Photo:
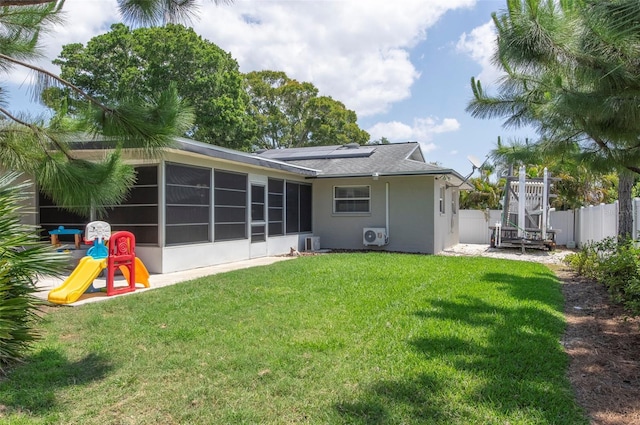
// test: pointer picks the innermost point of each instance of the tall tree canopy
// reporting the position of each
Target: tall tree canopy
(291, 114)
(45, 152)
(572, 73)
(124, 63)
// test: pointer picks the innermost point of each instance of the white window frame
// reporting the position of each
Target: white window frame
(367, 198)
(443, 197)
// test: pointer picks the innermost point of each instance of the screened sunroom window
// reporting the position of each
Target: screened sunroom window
(258, 223)
(188, 200)
(276, 207)
(137, 213)
(352, 199)
(298, 218)
(230, 214)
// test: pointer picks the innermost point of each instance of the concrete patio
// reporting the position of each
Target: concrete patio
(155, 280)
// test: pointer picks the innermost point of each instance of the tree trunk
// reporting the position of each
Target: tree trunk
(625, 205)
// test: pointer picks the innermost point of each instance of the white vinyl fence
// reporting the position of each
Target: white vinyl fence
(573, 227)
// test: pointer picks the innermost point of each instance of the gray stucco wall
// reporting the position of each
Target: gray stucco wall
(446, 226)
(411, 214)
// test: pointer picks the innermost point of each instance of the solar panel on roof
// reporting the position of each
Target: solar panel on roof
(320, 152)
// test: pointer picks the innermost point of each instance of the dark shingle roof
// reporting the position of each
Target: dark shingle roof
(219, 152)
(343, 161)
(212, 151)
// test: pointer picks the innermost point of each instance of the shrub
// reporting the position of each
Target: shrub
(616, 264)
(584, 262)
(23, 257)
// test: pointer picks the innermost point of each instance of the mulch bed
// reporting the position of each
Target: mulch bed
(603, 344)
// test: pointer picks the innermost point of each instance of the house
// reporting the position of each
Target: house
(389, 190)
(201, 205)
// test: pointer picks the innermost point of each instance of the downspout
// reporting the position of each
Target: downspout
(387, 211)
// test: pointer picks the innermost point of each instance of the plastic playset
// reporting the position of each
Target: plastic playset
(109, 251)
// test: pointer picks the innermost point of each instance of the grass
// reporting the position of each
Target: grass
(336, 339)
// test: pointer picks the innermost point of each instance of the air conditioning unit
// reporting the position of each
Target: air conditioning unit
(312, 243)
(374, 236)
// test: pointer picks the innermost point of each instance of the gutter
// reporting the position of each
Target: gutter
(440, 172)
(443, 171)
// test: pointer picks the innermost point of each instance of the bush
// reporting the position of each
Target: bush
(23, 257)
(616, 264)
(584, 262)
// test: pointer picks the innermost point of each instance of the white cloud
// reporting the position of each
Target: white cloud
(422, 130)
(428, 147)
(356, 52)
(479, 44)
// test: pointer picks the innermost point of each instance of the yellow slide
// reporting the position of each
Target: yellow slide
(142, 274)
(77, 283)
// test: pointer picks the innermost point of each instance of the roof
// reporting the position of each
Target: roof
(218, 152)
(351, 160)
(356, 161)
(212, 151)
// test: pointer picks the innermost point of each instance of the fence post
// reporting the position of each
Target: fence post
(617, 215)
(601, 219)
(636, 222)
(572, 236)
(584, 224)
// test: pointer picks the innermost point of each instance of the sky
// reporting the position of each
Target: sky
(403, 66)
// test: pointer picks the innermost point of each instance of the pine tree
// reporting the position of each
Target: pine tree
(44, 150)
(572, 73)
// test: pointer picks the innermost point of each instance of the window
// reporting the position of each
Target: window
(351, 199)
(188, 200)
(276, 207)
(305, 208)
(52, 217)
(443, 191)
(230, 210)
(138, 213)
(293, 200)
(258, 226)
(298, 207)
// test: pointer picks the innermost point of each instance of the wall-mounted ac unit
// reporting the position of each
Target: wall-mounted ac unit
(312, 243)
(374, 236)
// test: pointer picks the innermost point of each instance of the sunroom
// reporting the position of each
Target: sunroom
(202, 205)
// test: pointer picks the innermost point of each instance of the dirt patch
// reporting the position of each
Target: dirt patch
(603, 345)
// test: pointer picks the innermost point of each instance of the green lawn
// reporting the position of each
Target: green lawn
(341, 338)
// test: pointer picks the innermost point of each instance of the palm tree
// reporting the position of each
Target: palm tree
(160, 12)
(572, 73)
(22, 259)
